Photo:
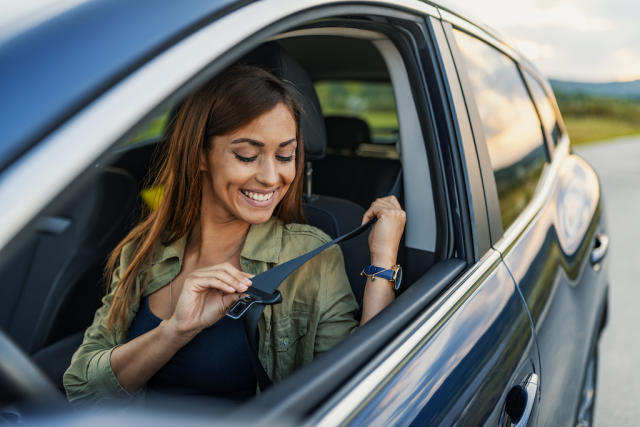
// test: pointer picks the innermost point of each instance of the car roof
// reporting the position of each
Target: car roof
(55, 63)
(52, 67)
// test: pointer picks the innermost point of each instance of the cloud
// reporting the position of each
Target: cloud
(626, 62)
(589, 40)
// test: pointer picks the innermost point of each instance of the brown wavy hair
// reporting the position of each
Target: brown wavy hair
(230, 100)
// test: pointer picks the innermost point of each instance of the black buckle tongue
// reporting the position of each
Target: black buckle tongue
(253, 296)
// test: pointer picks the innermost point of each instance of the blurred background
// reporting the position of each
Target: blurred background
(590, 50)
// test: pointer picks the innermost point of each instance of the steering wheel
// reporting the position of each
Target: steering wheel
(21, 381)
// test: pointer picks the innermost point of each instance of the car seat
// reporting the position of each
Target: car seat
(58, 272)
(368, 177)
(335, 216)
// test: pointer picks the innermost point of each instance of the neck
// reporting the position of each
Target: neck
(213, 242)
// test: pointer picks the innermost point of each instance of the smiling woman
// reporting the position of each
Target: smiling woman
(231, 208)
(251, 168)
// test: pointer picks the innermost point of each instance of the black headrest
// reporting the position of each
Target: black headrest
(273, 58)
(346, 133)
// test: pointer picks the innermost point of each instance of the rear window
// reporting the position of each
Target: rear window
(545, 108)
(372, 102)
(510, 123)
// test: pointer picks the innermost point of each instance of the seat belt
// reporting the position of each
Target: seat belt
(264, 290)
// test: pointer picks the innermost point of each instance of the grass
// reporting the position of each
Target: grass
(590, 129)
(592, 119)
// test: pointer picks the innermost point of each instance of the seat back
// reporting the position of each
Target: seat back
(368, 177)
(60, 278)
(332, 215)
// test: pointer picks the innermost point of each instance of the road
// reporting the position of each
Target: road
(618, 392)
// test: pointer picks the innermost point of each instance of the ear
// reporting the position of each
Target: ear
(202, 164)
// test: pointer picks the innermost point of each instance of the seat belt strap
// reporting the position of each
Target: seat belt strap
(263, 291)
(264, 286)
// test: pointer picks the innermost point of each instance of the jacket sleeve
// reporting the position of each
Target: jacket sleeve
(338, 306)
(89, 379)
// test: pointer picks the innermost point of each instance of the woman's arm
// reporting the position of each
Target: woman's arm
(105, 367)
(135, 362)
(384, 240)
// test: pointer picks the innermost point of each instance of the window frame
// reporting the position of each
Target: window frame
(494, 214)
(129, 121)
(502, 239)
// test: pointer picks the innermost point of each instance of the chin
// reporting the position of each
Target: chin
(255, 216)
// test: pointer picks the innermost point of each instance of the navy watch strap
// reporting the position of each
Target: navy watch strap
(391, 274)
(384, 273)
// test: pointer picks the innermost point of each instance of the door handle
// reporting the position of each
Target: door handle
(600, 249)
(520, 401)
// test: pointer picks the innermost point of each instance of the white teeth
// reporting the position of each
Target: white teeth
(261, 197)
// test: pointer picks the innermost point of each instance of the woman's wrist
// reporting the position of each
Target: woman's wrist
(174, 335)
(385, 261)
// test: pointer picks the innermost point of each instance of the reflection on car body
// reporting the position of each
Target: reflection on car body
(504, 253)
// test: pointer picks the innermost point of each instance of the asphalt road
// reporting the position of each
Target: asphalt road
(618, 391)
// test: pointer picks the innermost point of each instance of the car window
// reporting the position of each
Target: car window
(151, 130)
(545, 108)
(372, 102)
(510, 123)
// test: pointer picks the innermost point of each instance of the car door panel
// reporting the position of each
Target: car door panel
(550, 261)
(461, 361)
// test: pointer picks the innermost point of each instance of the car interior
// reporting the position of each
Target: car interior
(57, 276)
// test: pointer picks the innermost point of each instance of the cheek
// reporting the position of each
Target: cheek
(289, 174)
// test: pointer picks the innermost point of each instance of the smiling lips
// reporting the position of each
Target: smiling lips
(258, 199)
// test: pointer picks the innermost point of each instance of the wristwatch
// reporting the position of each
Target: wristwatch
(392, 274)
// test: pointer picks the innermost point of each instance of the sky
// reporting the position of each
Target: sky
(583, 40)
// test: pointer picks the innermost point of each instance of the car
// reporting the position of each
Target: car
(505, 282)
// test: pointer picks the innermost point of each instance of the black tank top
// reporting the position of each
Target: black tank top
(217, 362)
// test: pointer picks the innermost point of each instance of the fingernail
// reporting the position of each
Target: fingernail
(247, 281)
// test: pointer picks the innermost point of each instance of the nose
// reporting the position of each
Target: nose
(268, 173)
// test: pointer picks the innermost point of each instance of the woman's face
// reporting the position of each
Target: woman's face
(248, 171)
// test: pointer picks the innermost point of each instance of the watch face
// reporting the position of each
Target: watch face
(398, 281)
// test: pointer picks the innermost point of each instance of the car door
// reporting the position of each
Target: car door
(467, 342)
(459, 360)
(553, 241)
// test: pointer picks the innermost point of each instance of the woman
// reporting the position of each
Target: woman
(231, 208)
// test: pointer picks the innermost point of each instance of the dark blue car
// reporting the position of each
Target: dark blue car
(505, 282)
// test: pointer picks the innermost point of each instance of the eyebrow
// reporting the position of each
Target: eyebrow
(260, 144)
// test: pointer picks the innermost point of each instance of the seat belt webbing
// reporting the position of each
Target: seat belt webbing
(268, 282)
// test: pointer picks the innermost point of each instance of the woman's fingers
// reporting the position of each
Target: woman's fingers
(228, 300)
(382, 206)
(227, 274)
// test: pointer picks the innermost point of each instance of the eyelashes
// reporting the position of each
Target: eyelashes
(245, 159)
(283, 159)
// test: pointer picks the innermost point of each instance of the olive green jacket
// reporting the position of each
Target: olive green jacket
(318, 308)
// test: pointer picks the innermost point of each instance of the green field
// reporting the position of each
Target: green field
(589, 129)
(588, 118)
(591, 119)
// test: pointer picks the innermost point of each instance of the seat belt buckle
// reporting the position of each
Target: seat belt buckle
(253, 296)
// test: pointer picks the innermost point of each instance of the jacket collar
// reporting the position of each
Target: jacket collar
(263, 243)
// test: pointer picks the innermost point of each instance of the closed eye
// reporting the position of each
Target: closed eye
(245, 159)
(285, 158)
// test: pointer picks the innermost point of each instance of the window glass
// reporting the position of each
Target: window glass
(152, 130)
(545, 107)
(372, 102)
(510, 123)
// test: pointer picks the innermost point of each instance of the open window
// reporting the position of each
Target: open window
(380, 134)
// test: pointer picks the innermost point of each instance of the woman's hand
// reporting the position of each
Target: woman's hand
(384, 238)
(206, 296)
